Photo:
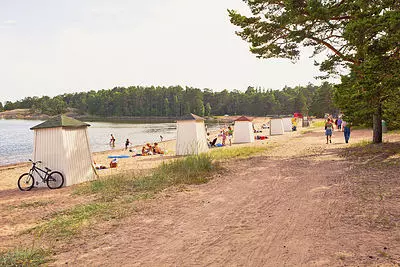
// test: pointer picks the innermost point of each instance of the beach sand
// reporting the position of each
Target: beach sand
(9, 174)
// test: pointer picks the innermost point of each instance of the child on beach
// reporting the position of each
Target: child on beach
(223, 133)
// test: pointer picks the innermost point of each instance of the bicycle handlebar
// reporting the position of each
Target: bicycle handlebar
(35, 162)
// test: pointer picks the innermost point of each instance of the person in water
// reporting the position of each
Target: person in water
(112, 140)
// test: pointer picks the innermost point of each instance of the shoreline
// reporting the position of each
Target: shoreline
(118, 150)
(10, 173)
(110, 150)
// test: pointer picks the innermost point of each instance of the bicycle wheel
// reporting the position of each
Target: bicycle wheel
(26, 182)
(55, 180)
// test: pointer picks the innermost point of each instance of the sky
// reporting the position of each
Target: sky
(50, 47)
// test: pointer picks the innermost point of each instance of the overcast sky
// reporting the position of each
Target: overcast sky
(49, 47)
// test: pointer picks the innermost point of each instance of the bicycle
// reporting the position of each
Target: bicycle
(53, 179)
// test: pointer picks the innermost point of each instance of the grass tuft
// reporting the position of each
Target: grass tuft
(189, 170)
(237, 152)
(317, 124)
(394, 132)
(24, 257)
(108, 188)
(33, 204)
(70, 222)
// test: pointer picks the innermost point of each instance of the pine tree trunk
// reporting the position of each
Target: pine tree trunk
(377, 125)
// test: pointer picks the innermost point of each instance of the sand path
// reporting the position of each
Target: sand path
(281, 209)
(285, 208)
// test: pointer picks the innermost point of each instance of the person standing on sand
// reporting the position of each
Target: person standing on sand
(112, 141)
(346, 131)
(339, 124)
(127, 143)
(223, 137)
(328, 130)
(230, 134)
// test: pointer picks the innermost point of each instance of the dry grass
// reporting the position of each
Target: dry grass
(24, 257)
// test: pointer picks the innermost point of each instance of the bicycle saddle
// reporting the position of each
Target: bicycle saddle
(47, 169)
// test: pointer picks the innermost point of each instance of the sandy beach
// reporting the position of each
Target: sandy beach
(9, 174)
(302, 202)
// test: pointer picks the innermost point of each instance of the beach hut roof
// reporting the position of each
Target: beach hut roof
(191, 117)
(243, 118)
(60, 121)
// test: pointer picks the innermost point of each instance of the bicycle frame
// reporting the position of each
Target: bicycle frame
(35, 169)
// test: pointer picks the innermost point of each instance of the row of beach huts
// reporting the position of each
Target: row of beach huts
(62, 143)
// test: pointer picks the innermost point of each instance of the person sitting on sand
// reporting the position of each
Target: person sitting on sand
(145, 151)
(99, 166)
(149, 149)
(211, 143)
(157, 149)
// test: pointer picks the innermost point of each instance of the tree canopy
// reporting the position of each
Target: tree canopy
(175, 101)
(358, 37)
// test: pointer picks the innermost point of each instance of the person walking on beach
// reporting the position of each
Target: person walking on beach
(230, 134)
(346, 131)
(339, 124)
(112, 141)
(328, 130)
(127, 143)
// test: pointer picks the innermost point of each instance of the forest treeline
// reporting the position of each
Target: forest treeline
(175, 101)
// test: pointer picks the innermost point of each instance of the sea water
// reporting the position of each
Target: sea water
(16, 138)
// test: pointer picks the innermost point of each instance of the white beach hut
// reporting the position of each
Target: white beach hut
(62, 144)
(287, 124)
(276, 126)
(244, 132)
(191, 135)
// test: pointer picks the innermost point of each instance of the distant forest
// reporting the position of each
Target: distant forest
(175, 101)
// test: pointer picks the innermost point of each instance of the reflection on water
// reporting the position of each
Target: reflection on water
(16, 140)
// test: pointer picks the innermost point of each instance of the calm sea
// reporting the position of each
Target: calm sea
(16, 140)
